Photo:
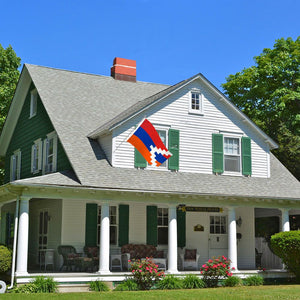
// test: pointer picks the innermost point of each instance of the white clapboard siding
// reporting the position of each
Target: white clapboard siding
(106, 145)
(195, 132)
(73, 224)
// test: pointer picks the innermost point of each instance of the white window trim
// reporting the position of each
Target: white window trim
(51, 135)
(37, 143)
(16, 153)
(166, 129)
(196, 111)
(162, 226)
(116, 225)
(239, 137)
(33, 103)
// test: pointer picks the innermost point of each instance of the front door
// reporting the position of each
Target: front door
(43, 233)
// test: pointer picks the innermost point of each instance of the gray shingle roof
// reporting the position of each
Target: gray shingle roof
(78, 101)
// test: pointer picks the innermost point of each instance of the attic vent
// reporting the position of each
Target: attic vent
(124, 69)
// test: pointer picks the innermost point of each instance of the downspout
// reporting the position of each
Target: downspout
(15, 241)
(15, 244)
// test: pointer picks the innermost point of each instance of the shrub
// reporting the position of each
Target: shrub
(254, 280)
(145, 273)
(45, 285)
(170, 282)
(127, 285)
(215, 269)
(233, 281)
(286, 245)
(99, 286)
(5, 259)
(29, 288)
(192, 282)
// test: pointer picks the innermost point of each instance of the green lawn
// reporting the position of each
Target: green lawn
(261, 292)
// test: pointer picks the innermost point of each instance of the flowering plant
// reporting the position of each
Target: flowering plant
(215, 269)
(145, 273)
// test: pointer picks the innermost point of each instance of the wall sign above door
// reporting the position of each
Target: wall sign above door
(200, 209)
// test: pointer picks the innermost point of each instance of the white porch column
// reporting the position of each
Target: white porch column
(104, 240)
(285, 221)
(22, 248)
(172, 241)
(232, 245)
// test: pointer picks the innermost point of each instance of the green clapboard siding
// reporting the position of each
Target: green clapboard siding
(123, 225)
(139, 160)
(246, 156)
(217, 153)
(152, 225)
(181, 228)
(173, 161)
(26, 132)
(91, 215)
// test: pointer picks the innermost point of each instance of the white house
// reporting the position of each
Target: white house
(73, 179)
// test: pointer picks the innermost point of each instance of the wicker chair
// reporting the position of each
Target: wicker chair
(69, 255)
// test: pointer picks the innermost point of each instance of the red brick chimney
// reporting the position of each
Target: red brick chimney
(124, 69)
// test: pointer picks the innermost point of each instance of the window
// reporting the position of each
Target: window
(163, 135)
(218, 224)
(33, 103)
(15, 165)
(36, 156)
(162, 226)
(196, 103)
(50, 153)
(232, 154)
(113, 234)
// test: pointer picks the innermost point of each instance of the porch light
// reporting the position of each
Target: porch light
(239, 221)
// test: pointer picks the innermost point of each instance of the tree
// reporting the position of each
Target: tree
(9, 74)
(269, 93)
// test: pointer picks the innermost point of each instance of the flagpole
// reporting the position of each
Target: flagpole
(130, 134)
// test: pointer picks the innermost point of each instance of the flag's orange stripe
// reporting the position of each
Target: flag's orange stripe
(139, 145)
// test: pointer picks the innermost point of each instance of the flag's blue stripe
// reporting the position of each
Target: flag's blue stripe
(160, 158)
(144, 137)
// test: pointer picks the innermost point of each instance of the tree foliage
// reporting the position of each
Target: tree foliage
(9, 74)
(269, 93)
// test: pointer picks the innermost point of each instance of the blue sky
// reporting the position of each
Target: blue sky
(170, 40)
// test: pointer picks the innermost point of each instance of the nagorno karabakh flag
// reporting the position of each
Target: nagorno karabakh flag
(147, 141)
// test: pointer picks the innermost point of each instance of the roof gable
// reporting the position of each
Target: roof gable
(140, 106)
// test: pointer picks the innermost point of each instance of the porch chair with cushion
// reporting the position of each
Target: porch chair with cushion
(69, 255)
(190, 259)
(93, 253)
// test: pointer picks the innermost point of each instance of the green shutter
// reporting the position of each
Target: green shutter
(152, 225)
(181, 237)
(217, 153)
(246, 156)
(173, 161)
(91, 224)
(123, 225)
(139, 160)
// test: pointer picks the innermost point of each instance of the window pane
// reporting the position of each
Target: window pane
(46, 222)
(232, 163)
(113, 235)
(41, 223)
(162, 233)
(231, 146)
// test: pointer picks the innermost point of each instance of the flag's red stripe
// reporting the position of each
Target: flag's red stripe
(139, 145)
(148, 127)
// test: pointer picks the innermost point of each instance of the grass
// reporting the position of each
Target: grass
(282, 292)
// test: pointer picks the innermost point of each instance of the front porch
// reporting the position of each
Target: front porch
(173, 223)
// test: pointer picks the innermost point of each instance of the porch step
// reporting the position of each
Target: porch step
(78, 288)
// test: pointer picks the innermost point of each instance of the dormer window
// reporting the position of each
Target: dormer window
(33, 103)
(196, 103)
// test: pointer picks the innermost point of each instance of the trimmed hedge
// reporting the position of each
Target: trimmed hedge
(286, 245)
